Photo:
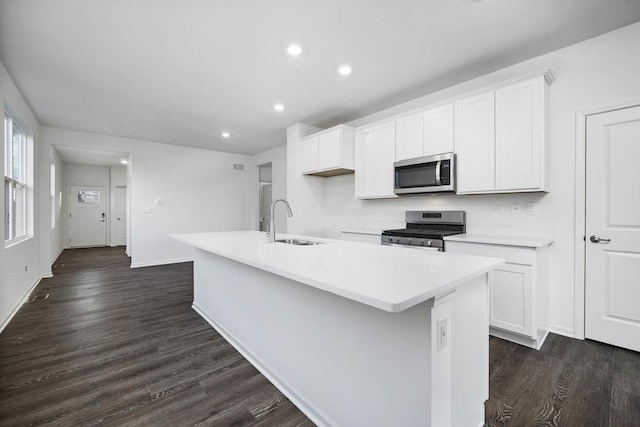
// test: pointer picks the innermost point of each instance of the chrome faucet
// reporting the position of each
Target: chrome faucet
(272, 224)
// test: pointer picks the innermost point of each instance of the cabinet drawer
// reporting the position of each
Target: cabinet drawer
(511, 254)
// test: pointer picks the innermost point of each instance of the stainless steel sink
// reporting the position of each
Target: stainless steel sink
(298, 242)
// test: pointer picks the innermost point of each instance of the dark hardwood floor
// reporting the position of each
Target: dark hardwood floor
(118, 346)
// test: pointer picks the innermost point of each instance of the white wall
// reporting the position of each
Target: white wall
(57, 232)
(306, 194)
(85, 175)
(15, 282)
(278, 159)
(200, 189)
(597, 72)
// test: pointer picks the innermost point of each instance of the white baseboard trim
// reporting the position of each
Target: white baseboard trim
(126, 251)
(562, 330)
(163, 262)
(313, 414)
(15, 310)
(57, 256)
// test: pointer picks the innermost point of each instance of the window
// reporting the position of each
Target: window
(15, 179)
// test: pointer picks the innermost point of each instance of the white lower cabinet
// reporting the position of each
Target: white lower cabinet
(518, 291)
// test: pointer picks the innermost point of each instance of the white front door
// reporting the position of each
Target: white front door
(612, 312)
(121, 215)
(87, 216)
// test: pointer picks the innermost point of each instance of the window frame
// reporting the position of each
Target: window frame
(16, 188)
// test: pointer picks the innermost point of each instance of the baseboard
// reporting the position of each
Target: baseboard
(164, 262)
(126, 251)
(561, 330)
(313, 414)
(17, 307)
(55, 258)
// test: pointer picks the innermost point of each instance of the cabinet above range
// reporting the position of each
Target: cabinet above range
(328, 152)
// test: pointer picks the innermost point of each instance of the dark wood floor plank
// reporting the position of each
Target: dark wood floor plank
(119, 346)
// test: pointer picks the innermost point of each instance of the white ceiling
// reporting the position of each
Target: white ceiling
(182, 72)
(84, 156)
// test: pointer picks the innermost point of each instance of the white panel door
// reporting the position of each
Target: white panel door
(309, 154)
(438, 130)
(612, 311)
(364, 163)
(475, 139)
(87, 223)
(385, 147)
(329, 150)
(519, 135)
(121, 215)
(409, 137)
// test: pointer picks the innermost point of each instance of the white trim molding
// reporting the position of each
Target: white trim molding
(19, 306)
(163, 262)
(580, 214)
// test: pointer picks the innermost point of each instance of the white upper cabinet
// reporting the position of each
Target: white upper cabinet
(410, 137)
(439, 130)
(520, 135)
(328, 153)
(309, 154)
(425, 134)
(501, 138)
(475, 143)
(375, 153)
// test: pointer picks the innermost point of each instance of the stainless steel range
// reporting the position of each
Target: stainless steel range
(426, 229)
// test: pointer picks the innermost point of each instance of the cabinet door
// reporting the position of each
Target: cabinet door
(519, 135)
(364, 163)
(309, 154)
(409, 137)
(384, 148)
(438, 130)
(511, 299)
(475, 137)
(329, 150)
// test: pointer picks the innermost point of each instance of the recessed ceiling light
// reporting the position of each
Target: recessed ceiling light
(278, 107)
(344, 70)
(123, 161)
(294, 49)
(225, 134)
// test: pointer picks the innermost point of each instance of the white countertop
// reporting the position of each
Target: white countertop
(363, 231)
(389, 278)
(496, 239)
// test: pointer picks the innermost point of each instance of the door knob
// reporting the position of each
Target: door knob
(597, 239)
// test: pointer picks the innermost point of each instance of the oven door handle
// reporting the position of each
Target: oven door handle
(438, 164)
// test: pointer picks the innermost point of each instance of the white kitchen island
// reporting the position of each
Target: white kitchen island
(353, 334)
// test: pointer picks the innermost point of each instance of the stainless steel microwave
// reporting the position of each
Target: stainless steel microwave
(428, 174)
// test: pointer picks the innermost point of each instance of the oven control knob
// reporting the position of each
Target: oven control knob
(408, 241)
(429, 242)
(397, 240)
(422, 242)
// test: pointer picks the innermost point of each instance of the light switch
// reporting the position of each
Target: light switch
(530, 208)
(146, 210)
(159, 202)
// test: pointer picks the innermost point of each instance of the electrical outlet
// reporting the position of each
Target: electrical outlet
(496, 208)
(530, 208)
(515, 209)
(26, 268)
(443, 334)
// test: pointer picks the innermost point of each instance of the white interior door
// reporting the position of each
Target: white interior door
(121, 215)
(87, 216)
(612, 311)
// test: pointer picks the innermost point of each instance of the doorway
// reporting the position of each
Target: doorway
(265, 195)
(87, 221)
(612, 228)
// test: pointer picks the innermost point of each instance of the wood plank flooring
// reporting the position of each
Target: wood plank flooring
(119, 346)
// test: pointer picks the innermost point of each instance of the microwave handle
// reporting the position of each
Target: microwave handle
(438, 164)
